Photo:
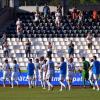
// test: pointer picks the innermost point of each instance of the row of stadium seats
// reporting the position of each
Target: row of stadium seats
(60, 48)
(47, 27)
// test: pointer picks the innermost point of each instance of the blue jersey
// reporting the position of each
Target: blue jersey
(37, 66)
(30, 68)
(15, 68)
(50, 65)
(6, 67)
(63, 66)
(96, 67)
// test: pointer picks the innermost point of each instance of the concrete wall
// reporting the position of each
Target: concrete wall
(33, 8)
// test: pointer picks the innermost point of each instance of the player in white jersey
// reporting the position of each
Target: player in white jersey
(91, 73)
(44, 71)
(36, 71)
(41, 71)
(70, 72)
(50, 72)
(14, 75)
(6, 72)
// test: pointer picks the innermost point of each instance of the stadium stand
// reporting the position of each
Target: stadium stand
(47, 27)
(40, 34)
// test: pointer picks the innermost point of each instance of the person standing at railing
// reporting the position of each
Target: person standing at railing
(71, 49)
(49, 51)
(20, 33)
(19, 29)
(28, 48)
(6, 49)
(46, 10)
(36, 20)
(58, 18)
(89, 41)
(3, 39)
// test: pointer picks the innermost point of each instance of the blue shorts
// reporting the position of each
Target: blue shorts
(30, 77)
(62, 77)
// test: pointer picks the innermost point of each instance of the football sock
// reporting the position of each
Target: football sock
(62, 84)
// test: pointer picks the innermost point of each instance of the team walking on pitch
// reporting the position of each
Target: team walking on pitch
(44, 70)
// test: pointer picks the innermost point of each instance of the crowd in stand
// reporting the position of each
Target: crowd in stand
(76, 16)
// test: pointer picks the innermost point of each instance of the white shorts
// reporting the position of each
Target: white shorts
(6, 75)
(44, 76)
(70, 76)
(14, 76)
(36, 75)
(57, 21)
(49, 75)
(95, 76)
(40, 75)
(90, 74)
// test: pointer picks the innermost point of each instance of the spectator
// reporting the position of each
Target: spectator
(6, 49)
(71, 49)
(46, 10)
(73, 12)
(4, 39)
(59, 9)
(37, 8)
(36, 20)
(94, 15)
(20, 33)
(89, 41)
(49, 52)
(28, 48)
(18, 23)
(58, 18)
(80, 17)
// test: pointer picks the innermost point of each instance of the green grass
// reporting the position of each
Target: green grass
(24, 93)
(23, 71)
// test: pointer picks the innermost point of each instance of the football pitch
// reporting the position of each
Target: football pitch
(24, 93)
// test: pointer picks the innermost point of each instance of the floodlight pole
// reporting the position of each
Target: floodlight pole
(12, 3)
(64, 5)
(74, 3)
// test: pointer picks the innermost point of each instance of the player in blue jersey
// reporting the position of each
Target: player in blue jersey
(62, 67)
(30, 73)
(6, 71)
(96, 72)
(14, 75)
(50, 72)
